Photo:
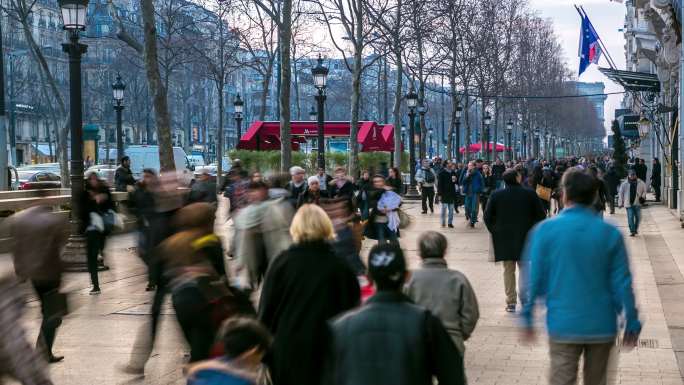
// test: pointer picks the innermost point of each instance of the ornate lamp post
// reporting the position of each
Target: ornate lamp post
(537, 132)
(238, 108)
(74, 20)
(118, 90)
(486, 150)
(422, 110)
(411, 103)
(553, 146)
(509, 132)
(320, 77)
(457, 114)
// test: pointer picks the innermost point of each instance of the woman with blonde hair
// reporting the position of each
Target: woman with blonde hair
(305, 286)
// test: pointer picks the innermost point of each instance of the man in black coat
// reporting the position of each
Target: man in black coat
(123, 177)
(447, 180)
(414, 347)
(509, 216)
(612, 181)
(655, 178)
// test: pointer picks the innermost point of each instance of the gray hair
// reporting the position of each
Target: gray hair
(432, 244)
(294, 170)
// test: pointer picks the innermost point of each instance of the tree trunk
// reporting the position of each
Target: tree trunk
(161, 109)
(285, 31)
(219, 141)
(356, 95)
(265, 89)
(298, 106)
(396, 111)
(454, 104)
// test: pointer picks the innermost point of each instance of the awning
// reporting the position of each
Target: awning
(266, 135)
(633, 81)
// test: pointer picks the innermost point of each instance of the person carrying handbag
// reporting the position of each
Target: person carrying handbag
(98, 218)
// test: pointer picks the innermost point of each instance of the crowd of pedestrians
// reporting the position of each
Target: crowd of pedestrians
(297, 304)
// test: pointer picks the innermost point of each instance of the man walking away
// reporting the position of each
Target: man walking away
(631, 196)
(446, 293)
(426, 178)
(123, 177)
(612, 181)
(497, 170)
(472, 185)
(641, 169)
(579, 264)
(447, 182)
(413, 343)
(655, 178)
(40, 263)
(509, 216)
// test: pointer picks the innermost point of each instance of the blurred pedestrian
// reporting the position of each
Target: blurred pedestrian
(656, 171)
(204, 188)
(17, 359)
(389, 340)
(426, 179)
(612, 181)
(123, 176)
(641, 169)
(498, 168)
(488, 185)
(363, 186)
(341, 186)
(447, 183)
(509, 216)
(579, 264)
(40, 263)
(98, 220)
(472, 185)
(235, 190)
(383, 223)
(632, 196)
(245, 342)
(601, 191)
(304, 287)
(142, 205)
(194, 264)
(323, 180)
(444, 292)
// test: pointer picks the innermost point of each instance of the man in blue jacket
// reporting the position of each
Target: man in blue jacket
(471, 185)
(579, 264)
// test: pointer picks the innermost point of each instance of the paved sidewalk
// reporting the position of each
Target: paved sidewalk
(99, 334)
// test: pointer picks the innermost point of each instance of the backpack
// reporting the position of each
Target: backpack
(429, 176)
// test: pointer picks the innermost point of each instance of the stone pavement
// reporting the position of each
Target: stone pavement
(98, 335)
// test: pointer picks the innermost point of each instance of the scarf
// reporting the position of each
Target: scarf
(390, 201)
(632, 191)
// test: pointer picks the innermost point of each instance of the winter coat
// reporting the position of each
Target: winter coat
(612, 182)
(203, 191)
(123, 177)
(471, 184)
(397, 185)
(446, 186)
(304, 287)
(426, 177)
(655, 175)
(623, 194)
(392, 341)
(509, 216)
(448, 295)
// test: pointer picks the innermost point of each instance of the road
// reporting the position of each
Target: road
(98, 335)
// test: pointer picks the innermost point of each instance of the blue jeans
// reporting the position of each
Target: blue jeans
(384, 233)
(633, 218)
(447, 207)
(471, 208)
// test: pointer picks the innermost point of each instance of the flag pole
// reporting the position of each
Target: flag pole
(609, 58)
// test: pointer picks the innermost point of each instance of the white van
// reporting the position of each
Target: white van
(144, 156)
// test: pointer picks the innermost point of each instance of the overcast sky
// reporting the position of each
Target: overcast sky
(608, 17)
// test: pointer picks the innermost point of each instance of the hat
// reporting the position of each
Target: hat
(386, 264)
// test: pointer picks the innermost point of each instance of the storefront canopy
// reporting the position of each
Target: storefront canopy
(266, 135)
(476, 147)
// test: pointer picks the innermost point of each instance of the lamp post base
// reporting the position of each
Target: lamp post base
(74, 255)
(412, 193)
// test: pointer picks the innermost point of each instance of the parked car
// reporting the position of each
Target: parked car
(144, 156)
(35, 180)
(105, 172)
(49, 167)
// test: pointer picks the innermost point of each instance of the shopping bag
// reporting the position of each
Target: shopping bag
(544, 192)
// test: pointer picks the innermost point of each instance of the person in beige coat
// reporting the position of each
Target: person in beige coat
(446, 293)
(631, 195)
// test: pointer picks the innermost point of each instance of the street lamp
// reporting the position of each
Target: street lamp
(313, 114)
(422, 110)
(644, 126)
(430, 131)
(238, 107)
(458, 113)
(118, 91)
(320, 77)
(74, 19)
(411, 103)
(536, 142)
(509, 132)
(487, 120)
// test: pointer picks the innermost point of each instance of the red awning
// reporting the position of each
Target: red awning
(266, 135)
(476, 147)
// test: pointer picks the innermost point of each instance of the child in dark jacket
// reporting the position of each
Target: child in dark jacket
(245, 341)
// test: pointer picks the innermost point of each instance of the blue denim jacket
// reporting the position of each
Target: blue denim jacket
(472, 186)
(579, 263)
